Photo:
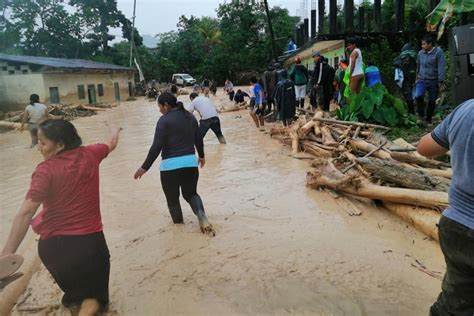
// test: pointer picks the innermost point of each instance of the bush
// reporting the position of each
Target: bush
(376, 105)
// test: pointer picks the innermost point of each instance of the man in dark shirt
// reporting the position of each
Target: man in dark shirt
(270, 80)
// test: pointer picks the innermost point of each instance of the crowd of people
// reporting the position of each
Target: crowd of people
(66, 183)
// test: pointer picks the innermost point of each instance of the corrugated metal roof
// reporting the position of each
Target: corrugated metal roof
(322, 47)
(62, 62)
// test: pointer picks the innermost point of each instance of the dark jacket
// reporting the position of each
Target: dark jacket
(285, 98)
(176, 134)
(297, 71)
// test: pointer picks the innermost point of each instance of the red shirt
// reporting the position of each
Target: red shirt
(68, 187)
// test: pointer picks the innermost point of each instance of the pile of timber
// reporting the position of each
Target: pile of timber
(356, 159)
(12, 119)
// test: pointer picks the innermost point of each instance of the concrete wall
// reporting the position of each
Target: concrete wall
(16, 85)
(67, 85)
(330, 55)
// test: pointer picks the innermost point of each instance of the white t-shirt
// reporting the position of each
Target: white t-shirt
(36, 112)
(204, 107)
(358, 63)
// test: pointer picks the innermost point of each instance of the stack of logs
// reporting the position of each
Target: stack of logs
(12, 120)
(353, 158)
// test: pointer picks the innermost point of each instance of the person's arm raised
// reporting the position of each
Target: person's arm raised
(113, 138)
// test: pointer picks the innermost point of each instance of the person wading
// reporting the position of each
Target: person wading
(209, 116)
(72, 245)
(34, 114)
(176, 137)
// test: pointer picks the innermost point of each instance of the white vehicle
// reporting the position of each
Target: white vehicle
(183, 80)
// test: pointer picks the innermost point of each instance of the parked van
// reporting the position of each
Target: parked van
(183, 80)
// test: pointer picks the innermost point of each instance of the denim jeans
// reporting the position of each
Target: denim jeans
(422, 87)
(457, 244)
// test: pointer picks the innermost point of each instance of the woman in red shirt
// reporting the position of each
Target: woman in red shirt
(72, 245)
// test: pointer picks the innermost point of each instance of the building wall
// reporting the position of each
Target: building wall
(16, 85)
(333, 56)
(67, 84)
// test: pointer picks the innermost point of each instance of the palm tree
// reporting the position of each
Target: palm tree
(210, 32)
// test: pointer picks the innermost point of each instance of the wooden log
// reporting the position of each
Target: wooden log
(306, 129)
(394, 172)
(423, 219)
(294, 136)
(352, 158)
(328, 140)
(421, 161)
(10, 125)
(314, 138)
(447, 173)
(90, 108)
(403, 143)
(329, 177)
(333, 121)
(317, 128)
(279, 131)
(312, 148)
(362, 145)
(370, 153)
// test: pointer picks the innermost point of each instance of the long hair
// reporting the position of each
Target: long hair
(34, 98)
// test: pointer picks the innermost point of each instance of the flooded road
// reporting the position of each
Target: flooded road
(280, 247)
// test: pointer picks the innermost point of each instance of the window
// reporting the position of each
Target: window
(81, 93)
(336, 61)
(11, 72)
(4, 68)
(17, 67)
(25, 71)
(54, 94)
(100, 90)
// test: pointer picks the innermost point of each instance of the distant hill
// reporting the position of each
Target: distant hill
(149, 40)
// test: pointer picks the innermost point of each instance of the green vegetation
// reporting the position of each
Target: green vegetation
(376, 105)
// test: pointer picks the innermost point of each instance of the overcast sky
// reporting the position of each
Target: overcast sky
(153, 17)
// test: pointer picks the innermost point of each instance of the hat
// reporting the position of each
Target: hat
(316, 53)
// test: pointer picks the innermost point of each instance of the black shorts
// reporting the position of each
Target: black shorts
(80, 265)
(255, 108)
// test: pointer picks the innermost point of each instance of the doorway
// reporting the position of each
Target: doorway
(117, 91)
(91, 94)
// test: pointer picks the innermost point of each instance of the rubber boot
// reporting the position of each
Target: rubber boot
(198, 208)
(176, 213)
(302, 103)
(221, 139)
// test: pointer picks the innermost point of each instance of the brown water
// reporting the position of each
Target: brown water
(280, 248)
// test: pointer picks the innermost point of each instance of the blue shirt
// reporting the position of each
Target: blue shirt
(456, 132)
(188, 161)
(258, 91)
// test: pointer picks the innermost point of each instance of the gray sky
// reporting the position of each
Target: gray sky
(158, 16)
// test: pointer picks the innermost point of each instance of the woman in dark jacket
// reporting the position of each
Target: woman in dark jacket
(176, 137)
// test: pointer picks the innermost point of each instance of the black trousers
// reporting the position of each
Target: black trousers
(185, 179)
(231, 95)
(212, 123)
(457, 244)
(80, 265)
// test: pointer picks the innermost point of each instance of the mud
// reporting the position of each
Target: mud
(280, 248)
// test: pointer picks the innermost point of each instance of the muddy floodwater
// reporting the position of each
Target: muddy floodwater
(280, 247)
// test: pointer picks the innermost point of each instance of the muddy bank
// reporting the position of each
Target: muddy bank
(280, 248)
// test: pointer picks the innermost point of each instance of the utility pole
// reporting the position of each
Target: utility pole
(271, 29)
(132, 43)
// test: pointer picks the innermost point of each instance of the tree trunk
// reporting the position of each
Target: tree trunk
(312, 148)
(332, 16)
(424, 219)
(328, 140)
(11, 125)
(421, 161)
(378, 15)
(399, 14)
(328, 176)
(349, 16)
(321, 12)
(394, 172)
(362, 145)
